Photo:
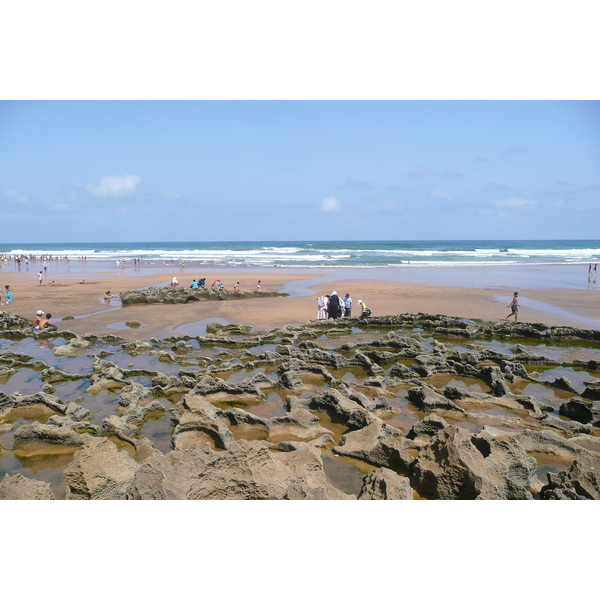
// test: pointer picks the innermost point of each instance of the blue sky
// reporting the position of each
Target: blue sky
(73, 171)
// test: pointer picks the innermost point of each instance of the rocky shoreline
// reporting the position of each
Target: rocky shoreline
(181, 295)
(419, 402)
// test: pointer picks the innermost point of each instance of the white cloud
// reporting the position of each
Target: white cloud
(112, 186)
(14, 195)
(331, 204)
(514, 203)
(441, 193)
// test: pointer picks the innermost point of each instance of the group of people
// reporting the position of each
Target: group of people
(17, 259)
(333, 307)
(41, 322)
(593, 273)
(217, 284)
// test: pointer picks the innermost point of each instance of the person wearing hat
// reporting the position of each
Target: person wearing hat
(364, 311)
(37, 320)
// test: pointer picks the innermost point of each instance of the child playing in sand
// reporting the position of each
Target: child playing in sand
(514, 306)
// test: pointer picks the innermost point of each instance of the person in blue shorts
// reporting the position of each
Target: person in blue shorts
(8, 294)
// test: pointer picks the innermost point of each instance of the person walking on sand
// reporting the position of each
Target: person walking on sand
(595, 273)
(590, 273)
(8, 294)
(514, 307)
(40, 276)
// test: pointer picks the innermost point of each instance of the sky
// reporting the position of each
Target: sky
(73, 171)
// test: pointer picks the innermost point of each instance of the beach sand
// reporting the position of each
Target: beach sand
(385, 293)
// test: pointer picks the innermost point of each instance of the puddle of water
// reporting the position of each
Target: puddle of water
(198, 327)
(26, 381)
(542, 392)
(337, 429)
(576, 377)
(158, 429)
(98, 312)
(441, 380)
(402, 422)
(144, 361)
(273, 406)
(49, 470)
(346, 474)
(123, 325)
(549, 463)
(495, 411)
(26, 414)
(249, 432)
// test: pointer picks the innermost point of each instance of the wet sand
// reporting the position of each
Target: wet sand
(548, 294)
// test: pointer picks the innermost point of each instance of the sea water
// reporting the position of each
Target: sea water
(311, 254)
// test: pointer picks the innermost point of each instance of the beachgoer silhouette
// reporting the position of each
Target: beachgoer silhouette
(514, 307)
(334, 306)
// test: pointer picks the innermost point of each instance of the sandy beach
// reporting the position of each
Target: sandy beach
(548, 294)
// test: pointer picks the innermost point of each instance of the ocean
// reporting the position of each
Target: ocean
(314, 254)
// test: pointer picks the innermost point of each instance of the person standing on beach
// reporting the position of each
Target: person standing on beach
(258, 286)
(334, 306)
(514, 307)
(321, 307)
(595, 273)
(347, 306)
(8, 294)
(590, 273)
(45, 267)
(40, 276)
